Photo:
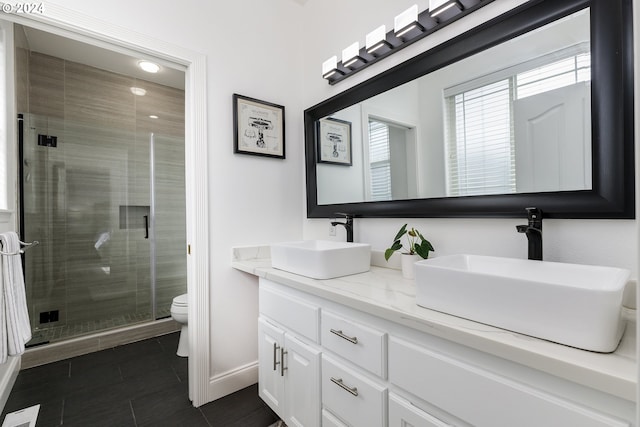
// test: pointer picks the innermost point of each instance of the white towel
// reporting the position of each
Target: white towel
(15, 329)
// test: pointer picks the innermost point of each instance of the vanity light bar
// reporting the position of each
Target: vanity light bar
(330, 68)
(439, 7)
(409, 27)
(376, 41)
(406, 24)
(351, 56)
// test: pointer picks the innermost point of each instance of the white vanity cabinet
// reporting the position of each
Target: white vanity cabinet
(324, 363)
(289, 372)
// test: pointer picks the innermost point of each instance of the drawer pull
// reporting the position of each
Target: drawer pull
(339, 383)
(275, 355)
(353, 340)
(282, 368)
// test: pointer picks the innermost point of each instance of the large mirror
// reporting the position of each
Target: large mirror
(532, 108)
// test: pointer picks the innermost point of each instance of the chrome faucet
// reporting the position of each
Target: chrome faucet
(348, 225)
(533, 231)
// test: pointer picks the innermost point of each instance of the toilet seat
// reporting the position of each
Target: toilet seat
(180, 301)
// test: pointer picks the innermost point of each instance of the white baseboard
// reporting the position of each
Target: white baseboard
(232, 381)
(8, 374)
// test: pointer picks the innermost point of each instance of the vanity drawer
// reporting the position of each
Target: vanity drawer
(330, 420)
(480, 397)
(402, 413)
(364, 346)
(354, 398)
(295, 314)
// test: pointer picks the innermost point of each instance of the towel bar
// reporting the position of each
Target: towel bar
(27, 246)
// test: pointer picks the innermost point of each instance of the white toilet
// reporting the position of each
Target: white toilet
(179, 312)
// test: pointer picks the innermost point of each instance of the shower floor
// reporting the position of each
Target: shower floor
(72, 330)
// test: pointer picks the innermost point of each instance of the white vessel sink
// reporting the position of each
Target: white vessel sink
(321, 259)
(571, 304)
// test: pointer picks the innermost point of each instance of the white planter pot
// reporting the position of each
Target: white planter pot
(408, 261)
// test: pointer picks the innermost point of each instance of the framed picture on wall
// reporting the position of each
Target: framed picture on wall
(334, 141)
(258, 127)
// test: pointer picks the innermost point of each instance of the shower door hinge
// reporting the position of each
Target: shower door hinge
(47, 140)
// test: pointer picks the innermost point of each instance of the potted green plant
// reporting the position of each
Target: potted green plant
(417, 247)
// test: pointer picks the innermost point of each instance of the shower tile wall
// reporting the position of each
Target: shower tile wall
(22, 79)
(101, 162)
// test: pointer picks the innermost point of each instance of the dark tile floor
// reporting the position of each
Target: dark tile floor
(139, 384)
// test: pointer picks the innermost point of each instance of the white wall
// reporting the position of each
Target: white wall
(251, 50)
(8, 130)
(604, 242)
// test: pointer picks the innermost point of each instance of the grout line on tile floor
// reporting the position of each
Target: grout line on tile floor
(173, 369)
(62, 411)
(133, 413)
(205, 417)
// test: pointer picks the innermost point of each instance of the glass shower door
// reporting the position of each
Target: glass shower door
(86, 198)
(169, 245)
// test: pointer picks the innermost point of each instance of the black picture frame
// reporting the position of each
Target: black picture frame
(612, 110)
(258, 127)
(334, 141)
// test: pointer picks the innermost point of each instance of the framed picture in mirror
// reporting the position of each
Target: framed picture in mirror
(334, 141)
(258, 127)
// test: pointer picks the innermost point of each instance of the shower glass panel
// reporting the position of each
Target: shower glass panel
(169, 221)
(107, 206)
(102, 190)
(102, 186)
(91, 263)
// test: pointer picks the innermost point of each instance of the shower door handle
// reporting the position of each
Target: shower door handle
(146, 226)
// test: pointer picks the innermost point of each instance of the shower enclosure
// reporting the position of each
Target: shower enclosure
(102, 190)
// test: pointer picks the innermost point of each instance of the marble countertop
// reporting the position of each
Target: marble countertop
(384, 293)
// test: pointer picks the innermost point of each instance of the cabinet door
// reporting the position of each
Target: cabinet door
(270, 375)
(403, 414)
(302, 387)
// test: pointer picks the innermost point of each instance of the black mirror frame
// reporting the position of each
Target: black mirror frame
(613, 187)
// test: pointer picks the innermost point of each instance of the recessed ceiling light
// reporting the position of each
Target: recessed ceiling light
(153, 116)
(138, 91)
(149, 67)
